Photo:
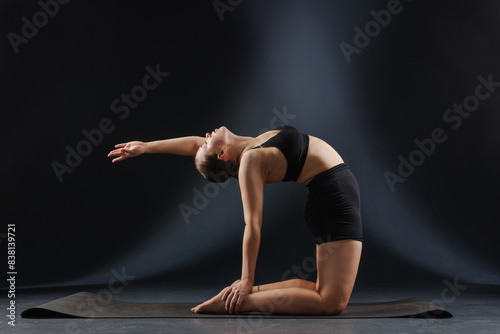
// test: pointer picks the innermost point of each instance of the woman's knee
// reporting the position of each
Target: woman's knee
(333, 307)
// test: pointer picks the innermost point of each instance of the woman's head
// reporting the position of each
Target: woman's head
(214, 159)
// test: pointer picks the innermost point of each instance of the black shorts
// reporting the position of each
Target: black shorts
(333, 208)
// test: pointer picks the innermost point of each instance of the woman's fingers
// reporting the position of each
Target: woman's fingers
(228, 300)
(121, 154)
(114, 153)
(234, 300)
(225, 293)
(120, 158)
(120, 151)
(126, 150)
(238, 303)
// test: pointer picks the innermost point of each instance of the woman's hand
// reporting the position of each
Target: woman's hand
(234, 294)
(127, 150)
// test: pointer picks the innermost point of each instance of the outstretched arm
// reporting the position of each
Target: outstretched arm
(178, 146)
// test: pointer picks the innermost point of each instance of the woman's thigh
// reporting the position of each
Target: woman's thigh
(337, 264)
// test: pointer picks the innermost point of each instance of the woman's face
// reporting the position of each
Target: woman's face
(214, 142)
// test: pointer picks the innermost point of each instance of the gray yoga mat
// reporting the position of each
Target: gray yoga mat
(89, 305)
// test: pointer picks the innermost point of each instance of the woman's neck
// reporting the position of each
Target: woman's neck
(243, 144)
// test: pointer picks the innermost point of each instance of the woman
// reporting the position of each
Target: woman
(332, 213)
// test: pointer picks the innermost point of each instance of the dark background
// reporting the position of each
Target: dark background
(265, 58)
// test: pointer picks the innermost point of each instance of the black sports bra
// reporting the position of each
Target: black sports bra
(294, 146)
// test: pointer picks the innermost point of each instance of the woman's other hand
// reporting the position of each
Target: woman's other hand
(234, 294)
(127, 150)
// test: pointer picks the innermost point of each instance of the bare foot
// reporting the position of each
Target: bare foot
(214, 306)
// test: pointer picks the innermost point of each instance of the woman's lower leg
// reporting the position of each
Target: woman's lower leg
(292, 300)
(292, 283)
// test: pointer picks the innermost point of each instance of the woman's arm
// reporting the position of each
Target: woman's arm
(179, 146)
(252, 178)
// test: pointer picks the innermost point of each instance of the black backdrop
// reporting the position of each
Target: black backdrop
(249, 65)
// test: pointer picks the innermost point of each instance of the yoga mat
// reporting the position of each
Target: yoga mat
(89, 305)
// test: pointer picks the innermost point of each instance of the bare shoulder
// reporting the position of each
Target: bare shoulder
(251, 157)
(254, 164)
(267, 164)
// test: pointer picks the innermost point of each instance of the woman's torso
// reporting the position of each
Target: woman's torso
(320, 157)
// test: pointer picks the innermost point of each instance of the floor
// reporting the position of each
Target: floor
(476, 309)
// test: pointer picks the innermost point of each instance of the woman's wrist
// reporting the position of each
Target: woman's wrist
(247, 280)
(147, 147)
